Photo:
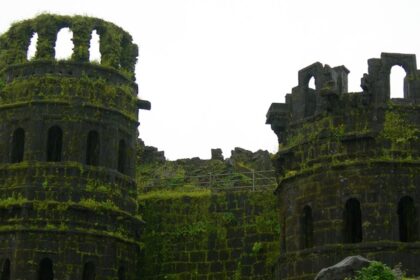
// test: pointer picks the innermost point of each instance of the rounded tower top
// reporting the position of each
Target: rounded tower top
(117, 50)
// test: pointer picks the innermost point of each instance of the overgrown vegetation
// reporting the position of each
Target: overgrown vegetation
(244, 169)
(117, 49)
(375, 271)
(203, 228)
(397, 130)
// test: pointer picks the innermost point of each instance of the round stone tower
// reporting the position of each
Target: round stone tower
(348, 169)
(68, 130)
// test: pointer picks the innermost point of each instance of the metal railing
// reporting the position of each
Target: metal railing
(244, 179)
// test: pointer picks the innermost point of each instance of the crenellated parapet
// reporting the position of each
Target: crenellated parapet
(377, 82)
(305, 102)
(331, 96)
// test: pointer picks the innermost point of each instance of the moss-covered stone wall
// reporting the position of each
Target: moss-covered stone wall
(202, 234)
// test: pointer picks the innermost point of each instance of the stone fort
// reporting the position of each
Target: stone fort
(347, 172)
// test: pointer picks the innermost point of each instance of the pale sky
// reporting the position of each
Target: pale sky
(211, 68)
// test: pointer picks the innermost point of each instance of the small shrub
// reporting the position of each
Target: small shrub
(375, 271)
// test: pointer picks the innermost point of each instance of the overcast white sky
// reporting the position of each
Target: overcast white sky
(211, 68)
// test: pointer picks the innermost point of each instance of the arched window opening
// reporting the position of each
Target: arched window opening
(92, 148)
(45, 271)
(311, 83)
(94, 52)
(54, 144)
(64, 44)
(18, 145)
(89, 271)
(306, 227)
(121, 273)
(32, 47)
(122, 156)
(5, 273)
(397, 82)
(407, 219)
(352, 217)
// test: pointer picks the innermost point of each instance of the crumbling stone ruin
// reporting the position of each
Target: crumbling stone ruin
(348, 168)
(68, 197)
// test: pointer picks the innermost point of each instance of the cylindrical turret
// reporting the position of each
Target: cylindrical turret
(348, 171)
(67, 152)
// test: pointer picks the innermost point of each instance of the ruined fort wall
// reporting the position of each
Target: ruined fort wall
(209, 235)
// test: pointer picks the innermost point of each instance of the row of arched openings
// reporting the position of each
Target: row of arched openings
(55, 146)
(46, 271)
(352, 222)
(64, 45)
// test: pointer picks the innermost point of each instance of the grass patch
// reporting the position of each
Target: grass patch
(175, 193)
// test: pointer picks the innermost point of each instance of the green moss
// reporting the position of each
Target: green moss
(116, 46)
(208, 228)
(54, 88)
(191, 230)
(15, 199)
(98, 205)
(175, 194)
(398, 130)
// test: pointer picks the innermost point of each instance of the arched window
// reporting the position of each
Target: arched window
(54, 144)
(311, 83)
(121, 273)
(352, 219)
(89, 271)
(407, 219)
(121, 156)
(306, 228)
(18, 145)
(5, 273)
(94, 52)
(45, 270)
(396, 79)
(92, 148)
(32, 47)
(64, 44)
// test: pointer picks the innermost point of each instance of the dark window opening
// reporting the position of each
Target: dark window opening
(396, 80)
(121, 156)
(121, 273)
(89, 271)
(407, 219)
(92, 149)
(54, 144)
(5, 273)
(45, 271)
(306, 224)
(18, 145)
(352, 217)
